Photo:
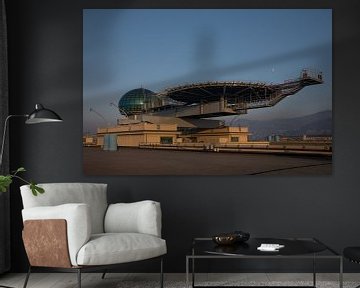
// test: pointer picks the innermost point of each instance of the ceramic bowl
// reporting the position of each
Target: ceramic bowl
(225, 239)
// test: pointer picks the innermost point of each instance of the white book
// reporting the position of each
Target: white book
(270, 247)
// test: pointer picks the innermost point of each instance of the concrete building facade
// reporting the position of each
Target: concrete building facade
(133, 135)
(222, 135)
(137, 134)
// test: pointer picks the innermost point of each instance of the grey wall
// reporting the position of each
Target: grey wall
(45, 39)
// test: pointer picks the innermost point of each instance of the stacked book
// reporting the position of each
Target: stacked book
(270, 247)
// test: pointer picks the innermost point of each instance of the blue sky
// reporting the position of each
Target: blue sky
(124, 49)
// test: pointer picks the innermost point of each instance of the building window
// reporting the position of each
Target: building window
(166, 140)
(234, 139)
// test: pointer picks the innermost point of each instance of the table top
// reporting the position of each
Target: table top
(292, 247)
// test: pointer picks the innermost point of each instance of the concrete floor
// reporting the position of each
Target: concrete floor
(135, 161)
(129, 280)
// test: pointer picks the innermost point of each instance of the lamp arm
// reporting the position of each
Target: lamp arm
(4, 134)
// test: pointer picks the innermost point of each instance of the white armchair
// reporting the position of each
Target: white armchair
(72, 228)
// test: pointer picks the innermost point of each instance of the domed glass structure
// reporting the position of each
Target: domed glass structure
(138, 100)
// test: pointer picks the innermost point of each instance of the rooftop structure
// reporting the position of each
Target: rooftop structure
(137, 101)
(173, 118)
(213, 99)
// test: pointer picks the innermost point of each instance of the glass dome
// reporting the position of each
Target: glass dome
(138, 100)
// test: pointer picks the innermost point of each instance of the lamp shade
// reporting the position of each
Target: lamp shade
(42, 115)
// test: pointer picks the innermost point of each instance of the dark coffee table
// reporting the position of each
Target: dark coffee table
(294, 248)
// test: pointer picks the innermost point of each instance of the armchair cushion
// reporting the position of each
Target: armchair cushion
(138, 217)
(93, 194)
(113, 248)
(78, 221)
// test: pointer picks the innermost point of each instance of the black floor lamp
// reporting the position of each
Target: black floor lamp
(39, 115)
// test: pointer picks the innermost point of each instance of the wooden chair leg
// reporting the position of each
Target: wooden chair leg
(27, 277)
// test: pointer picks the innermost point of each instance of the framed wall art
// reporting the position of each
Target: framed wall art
(207, 91)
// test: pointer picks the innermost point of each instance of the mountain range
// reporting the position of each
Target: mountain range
(319, 123)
